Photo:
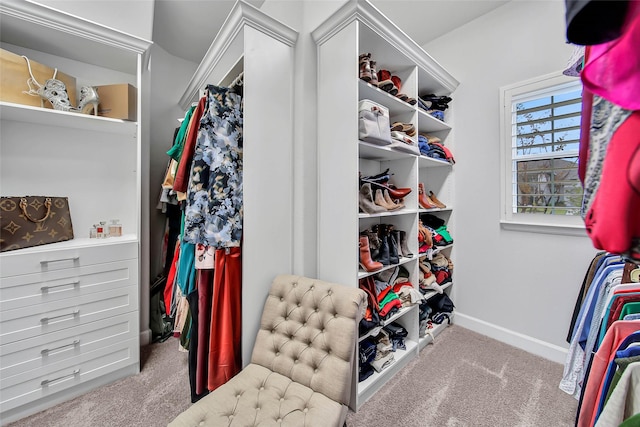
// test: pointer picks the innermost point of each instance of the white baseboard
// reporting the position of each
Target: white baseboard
(524, 342)
(145, 337)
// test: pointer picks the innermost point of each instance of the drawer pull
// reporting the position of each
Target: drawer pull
(48, 350)
(46, 288)
(46, 319)
(47, 382)
(75, 258)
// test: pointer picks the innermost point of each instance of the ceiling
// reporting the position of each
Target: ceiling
(186, 28)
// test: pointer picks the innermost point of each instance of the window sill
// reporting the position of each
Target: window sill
(547, 228)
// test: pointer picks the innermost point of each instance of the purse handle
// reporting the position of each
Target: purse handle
(23, 207)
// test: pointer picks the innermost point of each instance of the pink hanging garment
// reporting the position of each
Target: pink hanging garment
(613, 69)
(613, 220)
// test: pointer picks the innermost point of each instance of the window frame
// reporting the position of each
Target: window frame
(533, 222)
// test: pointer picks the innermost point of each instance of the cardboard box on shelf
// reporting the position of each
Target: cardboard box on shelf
(14, 74)
(118, 101)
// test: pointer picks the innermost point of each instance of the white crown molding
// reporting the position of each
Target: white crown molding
(241, 14)
(44, 16)
(364, 12)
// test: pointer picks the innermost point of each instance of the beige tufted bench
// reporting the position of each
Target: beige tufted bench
(302, 362)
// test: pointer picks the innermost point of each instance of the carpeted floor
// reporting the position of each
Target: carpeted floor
(464, 379)
(469, 380)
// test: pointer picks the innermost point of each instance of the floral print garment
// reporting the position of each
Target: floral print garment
(213, 215)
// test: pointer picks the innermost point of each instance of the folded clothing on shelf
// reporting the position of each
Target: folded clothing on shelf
(432, 147)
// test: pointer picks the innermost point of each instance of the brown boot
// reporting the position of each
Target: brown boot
(423, 199)
(437, 202)
(390, 201)
(365, 256)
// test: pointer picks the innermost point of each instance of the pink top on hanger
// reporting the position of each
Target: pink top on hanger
(613, 69)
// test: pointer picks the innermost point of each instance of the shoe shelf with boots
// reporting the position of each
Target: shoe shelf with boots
(364, 59)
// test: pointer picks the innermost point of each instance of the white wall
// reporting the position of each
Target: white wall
(516, 286)
(132, 17)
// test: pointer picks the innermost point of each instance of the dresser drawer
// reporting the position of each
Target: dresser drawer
(44, 287)
(22, 389)
(34, 320)
(47, 350)
(86, 252)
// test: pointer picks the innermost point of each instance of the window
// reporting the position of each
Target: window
(540, 140)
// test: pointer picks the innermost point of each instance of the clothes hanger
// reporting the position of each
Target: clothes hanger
(238, 81)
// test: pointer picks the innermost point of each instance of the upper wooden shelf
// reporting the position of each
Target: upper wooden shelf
(49, 117)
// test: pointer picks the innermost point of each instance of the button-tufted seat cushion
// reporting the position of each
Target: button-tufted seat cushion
(301, 368)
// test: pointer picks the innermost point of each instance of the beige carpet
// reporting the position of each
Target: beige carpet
(468, 380)
(464, 379)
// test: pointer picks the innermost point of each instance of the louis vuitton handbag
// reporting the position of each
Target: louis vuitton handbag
(33, 221)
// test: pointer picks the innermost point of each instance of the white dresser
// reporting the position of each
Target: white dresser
(67, 317)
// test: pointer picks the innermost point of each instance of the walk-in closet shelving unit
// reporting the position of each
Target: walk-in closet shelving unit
(358, 27)
(261, 47)
(69, 312)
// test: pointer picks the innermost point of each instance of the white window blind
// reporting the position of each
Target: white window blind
(545, 138)
(540, 145)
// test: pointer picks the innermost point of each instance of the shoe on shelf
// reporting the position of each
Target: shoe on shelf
(374, 72)
(374, 242)
(366, 261)
(423, 199)
(390, 201)
(89, 100)
(407, 128)
(394, 192)
(397, 84)
(365, 67)
(389, 250)
(380, 201)
(365, 201)
(55, 92)
(384, 80)
(437, 202)
(401, 238)
(385, 174)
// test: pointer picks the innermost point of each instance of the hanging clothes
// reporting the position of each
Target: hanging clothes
(613, 221)
(214, 210)
(613, 69)
(205, 294)
(225, 353)
(619, 336)
(604, 340)
(181, 180)
(609, 152)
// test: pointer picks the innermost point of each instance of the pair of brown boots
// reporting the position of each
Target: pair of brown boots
(428, 201)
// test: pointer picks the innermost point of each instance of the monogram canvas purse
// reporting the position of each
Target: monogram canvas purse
(33, 220)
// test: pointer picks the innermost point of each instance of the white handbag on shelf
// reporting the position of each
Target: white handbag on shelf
(373, 123)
